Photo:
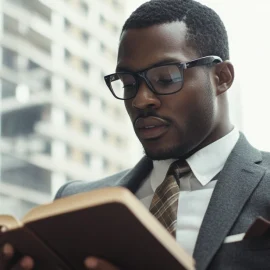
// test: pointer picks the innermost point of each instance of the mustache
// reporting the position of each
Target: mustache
(150, 113)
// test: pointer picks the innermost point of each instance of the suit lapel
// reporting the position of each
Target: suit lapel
(235, 184)
(135, 177)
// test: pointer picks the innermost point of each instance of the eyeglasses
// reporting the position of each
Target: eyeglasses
(165, 79)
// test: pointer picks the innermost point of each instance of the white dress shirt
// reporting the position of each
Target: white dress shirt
(196, 188)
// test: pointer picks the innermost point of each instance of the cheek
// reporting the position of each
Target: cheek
(128, 106)
(200, 116)
(193, 106)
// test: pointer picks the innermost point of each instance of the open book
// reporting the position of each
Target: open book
(109, 223)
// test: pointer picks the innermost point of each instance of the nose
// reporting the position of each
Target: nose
(145, 98)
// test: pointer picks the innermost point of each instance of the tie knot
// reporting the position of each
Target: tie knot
(178, 169)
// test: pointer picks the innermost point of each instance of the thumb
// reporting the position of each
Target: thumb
(98, 264)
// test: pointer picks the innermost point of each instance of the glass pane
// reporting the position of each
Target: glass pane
(166, 79)
(124, 85)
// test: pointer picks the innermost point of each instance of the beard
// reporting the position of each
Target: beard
(174, 152)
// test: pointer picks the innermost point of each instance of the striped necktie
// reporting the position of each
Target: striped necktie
(165, 201)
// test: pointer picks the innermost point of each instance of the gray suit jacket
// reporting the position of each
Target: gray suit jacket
(242, 193)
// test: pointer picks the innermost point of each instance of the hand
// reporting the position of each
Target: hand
(92, 263)
(8, 261)
(6, 256)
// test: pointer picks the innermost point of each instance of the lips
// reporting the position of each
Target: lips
(151, 127)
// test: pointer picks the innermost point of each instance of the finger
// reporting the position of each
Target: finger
(8, 251)
(26, 263)
(6, 254)
(98, 264)
(3, 229)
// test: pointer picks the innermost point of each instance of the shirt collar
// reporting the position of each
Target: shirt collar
(205, 164)
(210, 160)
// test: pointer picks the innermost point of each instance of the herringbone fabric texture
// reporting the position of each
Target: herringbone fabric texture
(165, 201)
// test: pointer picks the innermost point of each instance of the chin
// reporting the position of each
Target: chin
(168, 153)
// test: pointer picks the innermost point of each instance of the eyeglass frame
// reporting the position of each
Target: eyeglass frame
(206, 60)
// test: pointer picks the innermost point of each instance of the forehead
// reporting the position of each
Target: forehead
(141, 48)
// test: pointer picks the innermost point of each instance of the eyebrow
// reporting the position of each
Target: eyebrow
(159, 63)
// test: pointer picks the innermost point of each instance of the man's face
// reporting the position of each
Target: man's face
(168, 126)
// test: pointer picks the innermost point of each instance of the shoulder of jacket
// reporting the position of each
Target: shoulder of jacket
(75, 187)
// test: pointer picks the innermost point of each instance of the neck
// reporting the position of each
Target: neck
(223, 124)
(214, 136)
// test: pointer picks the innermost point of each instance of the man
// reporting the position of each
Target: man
(173, 73)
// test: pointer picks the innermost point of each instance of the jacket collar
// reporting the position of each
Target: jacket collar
(236, 182)
(135, 177)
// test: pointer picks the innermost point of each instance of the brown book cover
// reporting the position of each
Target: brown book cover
(109, 223)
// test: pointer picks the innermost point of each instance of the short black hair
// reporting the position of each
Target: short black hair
(206, 31)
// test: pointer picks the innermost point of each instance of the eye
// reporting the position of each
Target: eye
(169, 81)
(132, 85)
(166, 81)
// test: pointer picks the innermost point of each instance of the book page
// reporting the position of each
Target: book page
(77, 202)
(9, 222)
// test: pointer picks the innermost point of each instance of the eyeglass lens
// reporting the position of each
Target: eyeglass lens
(164, 80)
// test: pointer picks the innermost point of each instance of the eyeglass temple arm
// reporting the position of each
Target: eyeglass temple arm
(203, 61)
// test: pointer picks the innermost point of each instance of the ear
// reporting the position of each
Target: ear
(224, 76)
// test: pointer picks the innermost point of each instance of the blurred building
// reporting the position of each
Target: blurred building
(58, 120)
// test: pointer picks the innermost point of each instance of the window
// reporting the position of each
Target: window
(86, 127)
(105, 134)
(102, 47)
(67, 55)
(102, 75)
(103, 105)
(67, 24)
(118, 113)
(68, 150)
(68, 118)
(119, 141)
(115, 29)
(32, 65)
(86, 97)
(102, 20)
(16, 124)
(85, 36)
(10, 58)
(105, 164)
(116, 4)
(87, 158)
(84, 7)
(47, 148)
(26, 175)
(67, 86)
(47, 82)
(85, 66)
(8, 89)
